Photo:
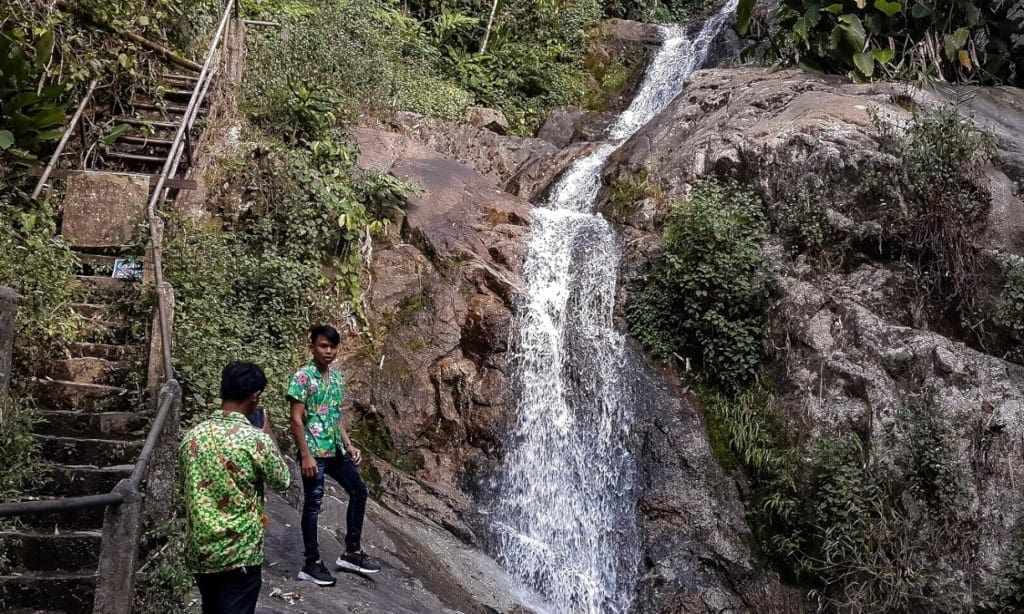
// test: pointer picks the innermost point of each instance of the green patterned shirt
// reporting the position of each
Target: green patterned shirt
(323, 407)
(224, 462)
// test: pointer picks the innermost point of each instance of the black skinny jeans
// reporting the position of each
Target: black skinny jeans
(230, 592)
(344, 471)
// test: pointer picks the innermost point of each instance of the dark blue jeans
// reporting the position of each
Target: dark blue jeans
(230, 592)
(344, 471)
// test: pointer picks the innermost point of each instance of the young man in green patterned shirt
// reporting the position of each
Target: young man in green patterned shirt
(224, 463)
(315, 393)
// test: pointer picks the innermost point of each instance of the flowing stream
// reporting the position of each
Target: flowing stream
(565, 521)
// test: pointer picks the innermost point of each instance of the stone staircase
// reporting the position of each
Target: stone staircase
(150, 122)
(91, 429)
(91, 411)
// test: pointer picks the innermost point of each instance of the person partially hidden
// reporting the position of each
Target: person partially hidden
(224, 463)
(315, 393)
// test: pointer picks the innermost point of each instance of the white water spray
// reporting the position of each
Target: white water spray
(565, 518)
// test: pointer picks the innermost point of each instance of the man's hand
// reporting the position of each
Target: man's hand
(308, 466)
(355, 453)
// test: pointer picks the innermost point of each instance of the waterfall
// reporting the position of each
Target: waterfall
(564, 520)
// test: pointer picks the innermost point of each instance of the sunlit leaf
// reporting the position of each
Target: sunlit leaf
(865, 63)
(887, 7)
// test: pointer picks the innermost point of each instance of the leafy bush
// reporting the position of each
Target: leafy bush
(704, 298)
(1008, 311)
(250, 290)
(375, 57)
(430, 60)
(868, 534)
(659, 10)
(18, 446)
(27, 118)
(945, 40)
(36, 263)
(163, 582)
(78, 50)
(934, 208)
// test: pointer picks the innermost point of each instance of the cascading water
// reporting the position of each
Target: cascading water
(564, 519)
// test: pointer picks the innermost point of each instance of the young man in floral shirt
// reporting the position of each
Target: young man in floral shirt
(224, 463)
(315, 393)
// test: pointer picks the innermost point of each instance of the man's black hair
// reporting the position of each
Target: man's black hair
(239, 380)
(327, 332)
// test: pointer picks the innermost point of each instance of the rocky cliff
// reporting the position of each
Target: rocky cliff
(853, 346)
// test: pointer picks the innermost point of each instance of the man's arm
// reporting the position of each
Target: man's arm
(357, 455)
(268, 430)
(307, 464)
(272, 465)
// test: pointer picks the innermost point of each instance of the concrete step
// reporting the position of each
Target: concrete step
(88, 519)
(99, 289)
(30, 550)
(68, 591)
(89, 370)
(95, 264)
(76, 480)
(83, 451)
(106, 351)
(103, 425)
(59, 394)
(97, 311)
(105, 331)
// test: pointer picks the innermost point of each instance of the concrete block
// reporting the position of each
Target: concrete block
(104, 209)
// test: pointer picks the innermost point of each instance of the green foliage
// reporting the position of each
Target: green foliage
(429, 60)
(309, 111)
(945, 40)
(27, 118)
(932, 209)
(37, 265)
(375, 57)
(1008, 311)
(234, 303)
(252, 289)
(704, 297)
(866, 525)
(163, 583)
(659, 10)
(77, 50)
(17, 445)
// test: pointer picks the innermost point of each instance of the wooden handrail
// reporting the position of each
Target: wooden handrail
(171, 164)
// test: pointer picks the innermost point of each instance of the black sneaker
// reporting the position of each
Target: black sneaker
(358, 561)
(315, 571)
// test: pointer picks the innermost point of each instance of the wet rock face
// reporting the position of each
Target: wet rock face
(437, 375)
(843, 366)
(490, 153)
(697, 558)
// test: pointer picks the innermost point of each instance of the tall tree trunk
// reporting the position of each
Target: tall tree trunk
(490, 22)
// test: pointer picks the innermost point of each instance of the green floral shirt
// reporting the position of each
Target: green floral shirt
(223, 464)
(323, 408)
